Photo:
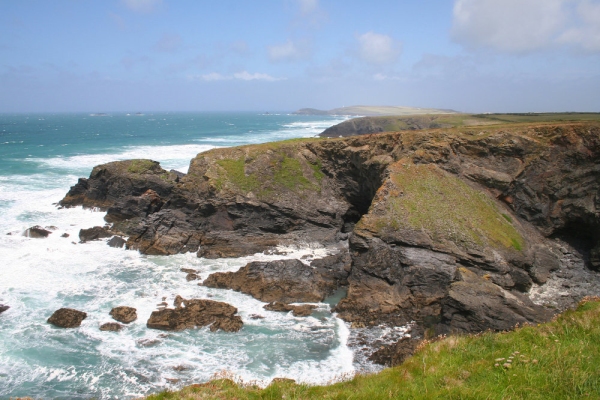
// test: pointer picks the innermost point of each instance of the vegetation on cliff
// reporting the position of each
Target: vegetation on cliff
(424, 197)
(554, 360)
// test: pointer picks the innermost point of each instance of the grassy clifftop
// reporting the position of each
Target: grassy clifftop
(557, 360)
(261, 171)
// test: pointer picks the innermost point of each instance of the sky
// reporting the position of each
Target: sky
(282, 55)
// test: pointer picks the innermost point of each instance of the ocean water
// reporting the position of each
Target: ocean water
(41, 156)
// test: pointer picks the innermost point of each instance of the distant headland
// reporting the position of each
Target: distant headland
(372, 111)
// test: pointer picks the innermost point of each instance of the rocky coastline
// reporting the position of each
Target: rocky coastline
(453, 230)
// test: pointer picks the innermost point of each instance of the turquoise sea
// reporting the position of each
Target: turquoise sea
(41, 156)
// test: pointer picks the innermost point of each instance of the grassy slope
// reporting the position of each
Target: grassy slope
(426, 197)
(557, 360)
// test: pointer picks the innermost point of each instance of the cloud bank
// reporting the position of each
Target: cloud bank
(525, 26)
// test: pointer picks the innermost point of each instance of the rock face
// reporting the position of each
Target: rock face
(453, 228)
(67, 318)
(196, 313)
(287, 281)
(124, 314)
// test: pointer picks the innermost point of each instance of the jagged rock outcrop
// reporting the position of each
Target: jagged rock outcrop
(196, 313)
(112, 182)
(435, 219)
(67, 318)
(287, 281)
(3, 307)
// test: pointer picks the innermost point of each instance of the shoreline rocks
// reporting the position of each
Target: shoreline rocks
(124, 314)
(287, 281)
(67, 318)
(440, 223)
(196, 313)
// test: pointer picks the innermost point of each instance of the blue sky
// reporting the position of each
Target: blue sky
(281, 55)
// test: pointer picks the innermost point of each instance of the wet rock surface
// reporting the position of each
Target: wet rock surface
(94, 233)
(67, 318)
(287, 281)
(3, 307)
(303, 310)
(111, 327)
(196, 313)
(116, 241)
(124, 314)
(37, 232)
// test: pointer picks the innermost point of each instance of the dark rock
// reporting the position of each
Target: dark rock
(124, 314)
(256, 316)
(37, 232)
(287, 281)
(299, 311)
(134, 206)
(65, 235)
(196, 313)
(188, 270)
(111, 326)
(67, 318)
(3, 307)
(111, 182)
(396, 353)
(474, 304)
(116, 241)
(95, 233)
(191, 277)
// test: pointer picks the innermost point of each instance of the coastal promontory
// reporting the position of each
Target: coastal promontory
(460, 229)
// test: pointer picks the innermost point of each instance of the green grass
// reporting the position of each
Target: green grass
(426, 197)
(557, 360)
(282, 169)
(141, 166)
(235, 170)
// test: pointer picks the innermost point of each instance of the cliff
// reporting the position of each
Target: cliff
(460, 229)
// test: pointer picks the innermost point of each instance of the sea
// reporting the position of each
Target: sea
(41, 156)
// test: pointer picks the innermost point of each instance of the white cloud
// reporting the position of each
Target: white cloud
(143, 6)
(587, 33)
(522, 26)
(246, 76)
(375, 48)
(243, 76)
(289, 51)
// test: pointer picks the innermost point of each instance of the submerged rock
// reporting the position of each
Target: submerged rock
(196, 313)
(298, 311)
(111, 326)
(67, 318)
(124, 314)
